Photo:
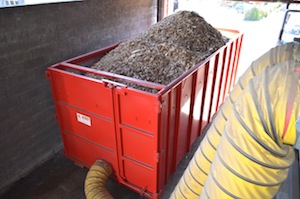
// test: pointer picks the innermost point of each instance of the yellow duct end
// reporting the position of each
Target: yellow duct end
(95, 182)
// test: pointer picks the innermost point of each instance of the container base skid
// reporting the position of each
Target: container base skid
(142, 135)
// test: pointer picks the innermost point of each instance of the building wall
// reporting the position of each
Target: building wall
(35, 37)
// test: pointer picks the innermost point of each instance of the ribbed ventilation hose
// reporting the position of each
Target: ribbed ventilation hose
(252, 160)
(95, 181)
(191, 183)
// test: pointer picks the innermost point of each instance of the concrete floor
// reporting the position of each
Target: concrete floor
(56, 178)
(60, 178)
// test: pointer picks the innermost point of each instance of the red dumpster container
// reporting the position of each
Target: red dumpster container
(143, 135)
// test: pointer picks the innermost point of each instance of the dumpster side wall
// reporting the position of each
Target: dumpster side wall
(35, 37)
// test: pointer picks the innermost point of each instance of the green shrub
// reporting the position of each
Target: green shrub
(254, 14)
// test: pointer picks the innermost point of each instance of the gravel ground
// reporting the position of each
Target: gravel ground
(168, 49)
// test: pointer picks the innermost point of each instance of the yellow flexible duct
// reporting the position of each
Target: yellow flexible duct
(252, 159)
(95, 181)
(191, 183)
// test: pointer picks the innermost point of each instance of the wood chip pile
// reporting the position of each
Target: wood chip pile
(168, 49)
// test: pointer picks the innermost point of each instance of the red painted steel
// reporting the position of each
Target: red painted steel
(143, 135)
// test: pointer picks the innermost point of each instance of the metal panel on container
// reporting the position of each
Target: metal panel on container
(209, 91)
(198, 104)
(229, 71)
(82, 93)
(87, 126)
(138, 147)
(163, 136)
(85, 119)
(182, 139)
(137, 130)
(84, 152)
(170, 131)
(137, 109)
(224, 77)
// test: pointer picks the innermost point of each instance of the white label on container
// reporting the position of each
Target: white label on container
(84, 119)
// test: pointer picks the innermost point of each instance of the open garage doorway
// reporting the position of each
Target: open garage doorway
(260, 21)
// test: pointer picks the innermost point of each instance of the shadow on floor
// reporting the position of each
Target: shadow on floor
(61, 178)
